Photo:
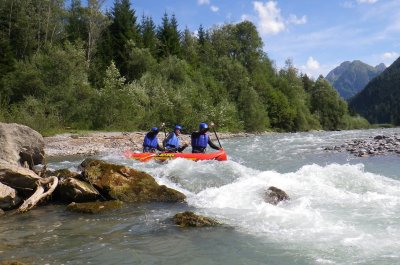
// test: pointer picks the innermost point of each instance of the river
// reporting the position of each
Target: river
(343, 210)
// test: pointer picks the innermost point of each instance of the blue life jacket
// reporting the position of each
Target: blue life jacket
(200, 141)
(150, 142)
(173, 141)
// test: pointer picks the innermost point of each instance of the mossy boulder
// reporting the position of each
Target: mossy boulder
(274, 195)
(190, 219)
(94, 207)
(127, 184)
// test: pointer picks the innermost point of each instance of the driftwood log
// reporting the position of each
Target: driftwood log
(24, 179)
(40, 193)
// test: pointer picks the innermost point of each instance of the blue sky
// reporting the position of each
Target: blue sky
(317, 35)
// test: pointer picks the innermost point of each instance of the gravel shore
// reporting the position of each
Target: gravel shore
(107, 142)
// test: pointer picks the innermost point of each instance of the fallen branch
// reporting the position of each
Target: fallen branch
(39, 193)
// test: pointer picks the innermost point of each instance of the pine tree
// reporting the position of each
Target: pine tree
(123, 29)
(76, 27)
(149, 36)
(169, 37)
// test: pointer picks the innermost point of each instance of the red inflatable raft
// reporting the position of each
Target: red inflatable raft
(144, 157)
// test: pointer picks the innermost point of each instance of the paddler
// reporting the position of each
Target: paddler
(201, 139)
(172, 141)
(150, 143)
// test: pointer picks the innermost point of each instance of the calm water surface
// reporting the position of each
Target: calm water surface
(343, 210)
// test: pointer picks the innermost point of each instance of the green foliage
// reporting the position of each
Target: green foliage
(353, 122)
(34, 113)
(88, 70)
(327, 105)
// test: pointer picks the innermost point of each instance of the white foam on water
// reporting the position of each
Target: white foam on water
(339, 207)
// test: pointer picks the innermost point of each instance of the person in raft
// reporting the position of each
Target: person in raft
(201, 139)
(150, 143)
(171, 143)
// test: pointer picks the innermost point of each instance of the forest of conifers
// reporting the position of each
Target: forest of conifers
(77, 66)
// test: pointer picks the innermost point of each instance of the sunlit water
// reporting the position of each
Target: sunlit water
(343, 210)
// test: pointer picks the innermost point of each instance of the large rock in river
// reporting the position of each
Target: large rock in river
(127, 184)
(20, 144)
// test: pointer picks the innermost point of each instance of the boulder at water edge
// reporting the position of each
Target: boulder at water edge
(20, 144)
(126, 184)
(274, 195)
(8, 197)
(190, 219)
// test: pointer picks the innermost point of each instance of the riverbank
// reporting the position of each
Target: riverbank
(95, 143)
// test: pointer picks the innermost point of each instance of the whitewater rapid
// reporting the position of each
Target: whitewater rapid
(342, 209)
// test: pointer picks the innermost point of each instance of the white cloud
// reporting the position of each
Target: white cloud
(214, 8)
(312, 64)
(390, 55)
(203, 2)
(293, 19)
(270, 19)
(312, 68)
(367, 1)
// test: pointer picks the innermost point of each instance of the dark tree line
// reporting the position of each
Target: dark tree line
(79, 67)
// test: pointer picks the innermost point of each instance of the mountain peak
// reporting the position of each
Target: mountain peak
(351, 77)
(379, 101)
(381, 67)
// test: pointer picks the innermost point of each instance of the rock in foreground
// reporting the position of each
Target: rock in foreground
(190, 219)
(126, 184)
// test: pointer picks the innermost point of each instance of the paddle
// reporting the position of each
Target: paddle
(212, 125)
(147, 158)
(163, 127)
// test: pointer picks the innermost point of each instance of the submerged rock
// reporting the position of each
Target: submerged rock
(126, 184)
(8, 197)
(274, 195)
(94, 207)
(12, 262)
(190, 219)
